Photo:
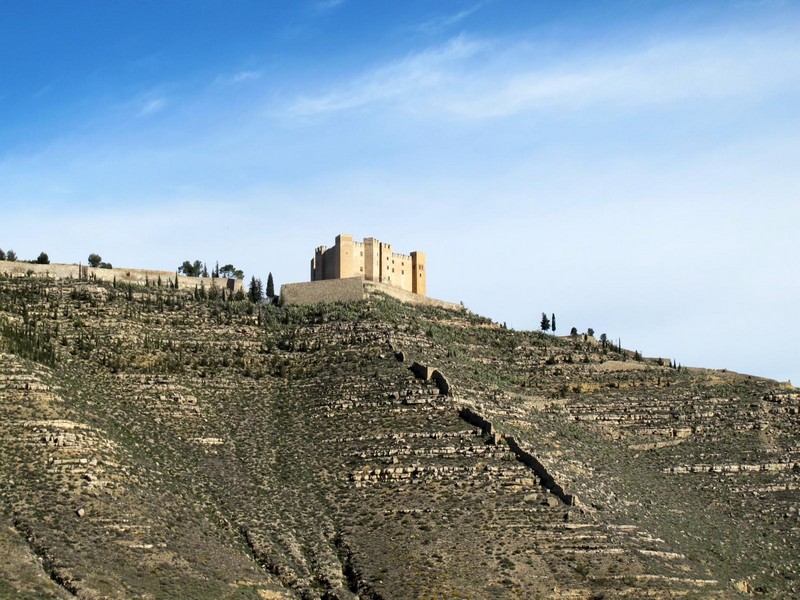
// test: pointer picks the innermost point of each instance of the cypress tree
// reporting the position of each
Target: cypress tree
(553, 323)
(270, 287)
(256, 291)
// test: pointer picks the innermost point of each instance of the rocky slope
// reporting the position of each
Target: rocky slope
(156, 444)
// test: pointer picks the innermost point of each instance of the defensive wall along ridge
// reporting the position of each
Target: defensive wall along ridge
(352, 288)
(124, 276)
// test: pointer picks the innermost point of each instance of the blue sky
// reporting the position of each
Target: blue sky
(630, 166)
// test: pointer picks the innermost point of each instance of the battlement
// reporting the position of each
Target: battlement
(370, 260)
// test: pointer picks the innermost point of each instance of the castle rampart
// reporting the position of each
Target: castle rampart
(370, 260)
(124, 276)
(352, 288)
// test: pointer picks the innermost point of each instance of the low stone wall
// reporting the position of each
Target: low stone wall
(409, 297)
(352, 288)
(427, 373)
(124, 276)
(524, 456)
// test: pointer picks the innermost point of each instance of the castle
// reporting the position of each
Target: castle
(371, 260)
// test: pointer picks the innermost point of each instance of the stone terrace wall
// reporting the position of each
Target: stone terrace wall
(135, 276)
(352, 288)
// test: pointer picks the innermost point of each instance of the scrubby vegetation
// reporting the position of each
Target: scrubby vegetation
(164, 443)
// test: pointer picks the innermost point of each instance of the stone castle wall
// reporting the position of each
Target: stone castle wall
(326, 290)
(124, 276)
(349, 289)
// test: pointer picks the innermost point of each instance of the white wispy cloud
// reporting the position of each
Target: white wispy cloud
(478, 79)
(690, 69)
(238, 77)
(152, 106)
(420, 71)
(323, 6)
(43, 91)
(442, 23)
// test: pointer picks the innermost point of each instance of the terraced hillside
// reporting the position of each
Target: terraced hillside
(160, 444)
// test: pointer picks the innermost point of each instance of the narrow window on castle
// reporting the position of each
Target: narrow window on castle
(402, 272)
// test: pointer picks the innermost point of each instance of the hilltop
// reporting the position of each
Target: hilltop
(160, 445)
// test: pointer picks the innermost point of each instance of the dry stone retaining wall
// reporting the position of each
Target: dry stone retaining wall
(430, 374)
(525, 457)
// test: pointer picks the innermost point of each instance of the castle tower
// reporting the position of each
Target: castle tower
(317, 264)
(344, 257)
(418, 285)
(372, 259)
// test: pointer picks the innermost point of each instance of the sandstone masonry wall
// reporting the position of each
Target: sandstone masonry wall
(409, 297)
(352, 288)
(325, 290)
(134, 276)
